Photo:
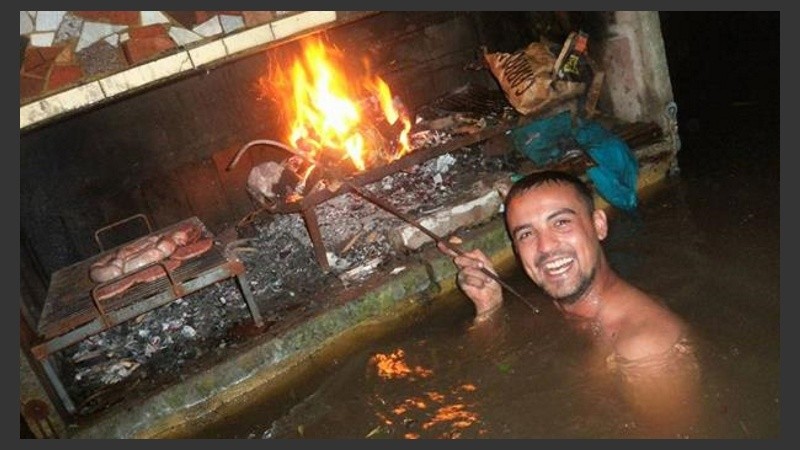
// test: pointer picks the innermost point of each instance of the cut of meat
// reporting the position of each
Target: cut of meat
(147, 275)
(192, 250)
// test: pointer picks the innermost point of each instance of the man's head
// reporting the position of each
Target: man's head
(556, 232)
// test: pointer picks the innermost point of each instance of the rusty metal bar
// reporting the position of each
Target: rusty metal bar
(306, 205)
(58, 386)
(97, 303)
(176, 288)
(416, 157)
(312, 226)
(121, 315)
(117, 223)
(248, 298)
(50, 346)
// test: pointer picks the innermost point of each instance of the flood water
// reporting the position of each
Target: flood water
(706, 242)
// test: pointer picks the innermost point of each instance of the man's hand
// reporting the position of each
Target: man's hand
(484, 292)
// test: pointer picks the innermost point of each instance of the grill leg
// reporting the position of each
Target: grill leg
(310, 218)
(248, 297)
(62, 393)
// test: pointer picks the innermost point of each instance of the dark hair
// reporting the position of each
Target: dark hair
(550, 176)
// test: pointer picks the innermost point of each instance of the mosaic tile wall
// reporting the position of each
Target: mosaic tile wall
(65, 47)
(70, 60)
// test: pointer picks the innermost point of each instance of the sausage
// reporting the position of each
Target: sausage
(104, 260)
(102, 273)
(115, 288)
(144, 276)
(103, 269)
(192, 250)
(182, 243)
(118, 262)
(166, 245)
(186, 234)
(145, 257)
(156, 272)
(136, 247)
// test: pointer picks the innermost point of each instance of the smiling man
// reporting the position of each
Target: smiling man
(556, 232)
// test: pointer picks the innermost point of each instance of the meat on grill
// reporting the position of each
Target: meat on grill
(147, 275)
(172, 248)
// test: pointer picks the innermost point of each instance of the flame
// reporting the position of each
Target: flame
(325, 111)
(391, 113)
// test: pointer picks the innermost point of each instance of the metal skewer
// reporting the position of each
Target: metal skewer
(389, 208)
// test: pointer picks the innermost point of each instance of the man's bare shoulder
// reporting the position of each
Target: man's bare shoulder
(649, 330)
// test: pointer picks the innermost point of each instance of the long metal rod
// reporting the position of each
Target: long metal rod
(389, 208)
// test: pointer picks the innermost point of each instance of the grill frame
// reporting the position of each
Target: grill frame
(70, 315)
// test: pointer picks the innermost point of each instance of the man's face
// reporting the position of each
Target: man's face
(557, 239)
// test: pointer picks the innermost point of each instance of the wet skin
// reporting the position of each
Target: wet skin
(557, 240)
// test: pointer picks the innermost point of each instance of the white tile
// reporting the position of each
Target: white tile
(300, 22)
(113, 40)
(123, 81)
(124, 37)
(93, 32)
(42, 39)
(25, 23)
(207, 53)
(248, 39)
(231, 23)
(172, 65)
(60, 103)
(148, 73)
(151, 17)
(210, 27)
(49, 20)
(182, 36)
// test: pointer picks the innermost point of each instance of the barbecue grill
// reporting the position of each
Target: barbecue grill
(71, 313)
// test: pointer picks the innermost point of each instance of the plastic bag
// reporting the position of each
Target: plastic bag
(616, 174)
(528, 78)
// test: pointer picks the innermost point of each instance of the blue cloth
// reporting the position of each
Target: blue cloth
(539, 139)
(616, 172)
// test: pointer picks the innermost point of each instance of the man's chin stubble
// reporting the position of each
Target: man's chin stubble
(578, 293)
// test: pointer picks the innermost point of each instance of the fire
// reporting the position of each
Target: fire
(327, 117)
(391, 113)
